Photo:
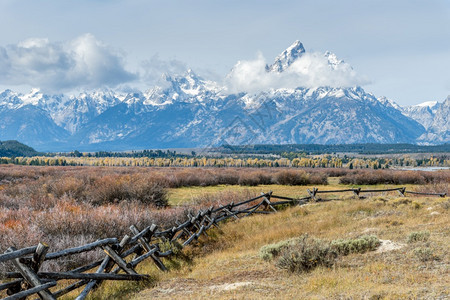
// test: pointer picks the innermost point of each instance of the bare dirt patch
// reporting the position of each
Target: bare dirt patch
(387, 245)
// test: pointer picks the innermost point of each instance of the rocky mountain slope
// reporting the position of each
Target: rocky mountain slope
(434, 117)
(188, 111)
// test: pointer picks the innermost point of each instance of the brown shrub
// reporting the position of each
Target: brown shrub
(299, 177)
(230, 177)
(254, 178)
(116, 188)
(368, 177)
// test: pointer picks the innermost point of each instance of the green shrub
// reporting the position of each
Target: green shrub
(306, 254)
(424, 254)
(418, 236)
(271, 251)
(360, 245)
(174, 246)
(446, 205)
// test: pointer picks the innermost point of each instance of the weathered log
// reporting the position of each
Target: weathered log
(90, 276)
(183, 229)
(402, 192)
(147, 233)
(189, 240)
(266, 200)
(282, 202)
(141, 258)
(30, 276)
(87, 267)
(429, 194)
(230, 213)
(312, 193)
(381, 190)
(39, 256)
(91, 284)
(80, 249)
(357, 191)
(105, 267)
(148, 248)
(249, 200)
(283, 198)
(164, 254)
(31, 291)
(255, 208)
(70, 288)
(10, 284)
(335, 191)
(137, 248)
(212, 222)
(17, 253)
(202, 228)
(118, 260)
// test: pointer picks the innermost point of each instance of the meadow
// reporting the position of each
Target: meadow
(69, 206)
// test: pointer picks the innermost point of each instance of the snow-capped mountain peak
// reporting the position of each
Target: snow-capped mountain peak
(429, 114)
(388, 102)
(186, 110)
(430, 104)
(287, 57)
(33, 97)
(9, 99)
(333, 60)
(188, 87)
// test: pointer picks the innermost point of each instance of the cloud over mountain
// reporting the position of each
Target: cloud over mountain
(185, 110)
(83, 62)
(291, 69)
(155, 67)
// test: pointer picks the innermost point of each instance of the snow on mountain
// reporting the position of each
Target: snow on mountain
(333, 60)
(423, 113)
(9, 100)
(388, 102)
(331, 115)
(188, 87)
(287, 57)
(434, 116)
(186, 110)
(430, 104)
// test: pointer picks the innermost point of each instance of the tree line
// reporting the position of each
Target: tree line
(324, 161)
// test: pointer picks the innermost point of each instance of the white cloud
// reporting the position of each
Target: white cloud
(155, 67)
(310, 70)
(83, 62)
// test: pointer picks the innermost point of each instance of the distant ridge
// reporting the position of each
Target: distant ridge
(187, 111)
(368, 148)
(15, 148)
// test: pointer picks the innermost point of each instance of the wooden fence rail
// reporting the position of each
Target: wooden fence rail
(126, 255)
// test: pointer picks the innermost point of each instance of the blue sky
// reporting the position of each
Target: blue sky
(401, 47)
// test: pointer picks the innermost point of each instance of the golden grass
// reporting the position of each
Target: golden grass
(184, 195)
(227, 266)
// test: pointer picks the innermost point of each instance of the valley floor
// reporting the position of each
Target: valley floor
(227, 265)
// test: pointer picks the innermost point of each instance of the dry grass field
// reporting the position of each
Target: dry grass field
(228, 266)
(69, 206)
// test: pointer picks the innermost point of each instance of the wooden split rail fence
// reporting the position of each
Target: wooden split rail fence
(123, 256)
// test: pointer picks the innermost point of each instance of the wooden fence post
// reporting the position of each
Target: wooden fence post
(312, 193)
(402, 192)
(148, 248)
(30, 276)
(357, 191)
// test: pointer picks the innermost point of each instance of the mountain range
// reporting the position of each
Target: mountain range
(186, 111)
